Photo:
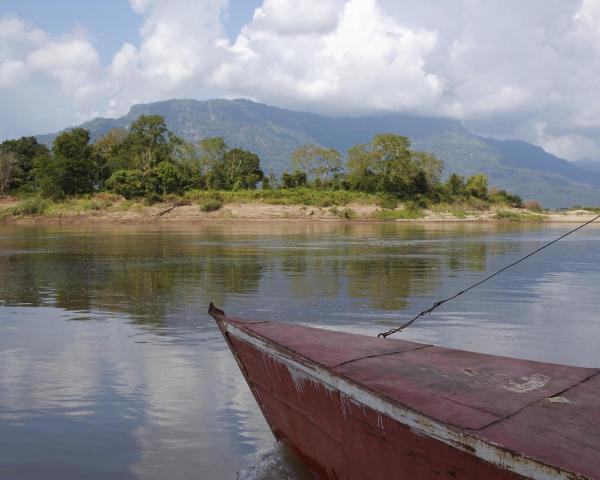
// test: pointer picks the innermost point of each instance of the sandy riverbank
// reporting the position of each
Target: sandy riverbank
(127, 212)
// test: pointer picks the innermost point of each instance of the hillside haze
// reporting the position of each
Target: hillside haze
(273, 133)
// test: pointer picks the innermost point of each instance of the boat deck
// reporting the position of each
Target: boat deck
(531, 410)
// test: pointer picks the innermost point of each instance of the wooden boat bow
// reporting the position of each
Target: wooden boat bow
(357, 407)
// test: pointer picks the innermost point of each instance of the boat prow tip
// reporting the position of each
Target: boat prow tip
(215, 312)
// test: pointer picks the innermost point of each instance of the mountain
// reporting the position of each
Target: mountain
(588, 165)
(273, 133)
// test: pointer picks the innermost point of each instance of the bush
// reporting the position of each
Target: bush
(533, 205)
(151, 198)
(348, 214)
(477, 186)
(212, 206)
(389, 202)
(294, 180)
(31, 206)
(128, 183)
(508, 216)
(167, 178)
(503, 197)
(404, 214)
(460, 214)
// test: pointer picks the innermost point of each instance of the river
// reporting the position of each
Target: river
(111, 368)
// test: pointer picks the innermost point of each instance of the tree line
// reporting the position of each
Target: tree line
(149, 161)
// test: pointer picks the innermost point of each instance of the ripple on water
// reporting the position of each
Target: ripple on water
(279, 463)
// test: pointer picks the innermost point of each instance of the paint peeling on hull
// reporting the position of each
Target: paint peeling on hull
(336, 425)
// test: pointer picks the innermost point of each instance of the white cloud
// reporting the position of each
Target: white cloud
(290, 17)
(363, 61)
(47, 81)
(503, 68)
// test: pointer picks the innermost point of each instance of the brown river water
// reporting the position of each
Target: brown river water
(111, 368)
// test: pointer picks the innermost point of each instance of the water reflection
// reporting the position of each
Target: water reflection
(148, 275)
(109, 367)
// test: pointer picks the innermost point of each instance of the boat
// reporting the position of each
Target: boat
(355, 407)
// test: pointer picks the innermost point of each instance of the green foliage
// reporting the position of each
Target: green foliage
(505, 198)
(316, 161)
(25, 151)
(110, 154)
(533, 205)
(460, 214)
(389, 202)
(47, 176)
(345, 213)
(212, 205)
(96, 204)
(211, 153)
(588, 209)
(166, 178)
(31, 206)
(360, 166)
(455, 185)
(128, 183)
(508, 216)
(387, 164)
(149, 161)
(72, 164)
(477, 186)
(148, 142)
(296, 196)
(239, 170)
(9, 170)
(294, 180)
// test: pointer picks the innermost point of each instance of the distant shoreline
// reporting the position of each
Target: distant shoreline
(128, 212)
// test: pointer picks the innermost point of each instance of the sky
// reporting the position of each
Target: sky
(510, 69)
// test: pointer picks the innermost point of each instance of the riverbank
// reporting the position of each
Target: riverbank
(105, 209)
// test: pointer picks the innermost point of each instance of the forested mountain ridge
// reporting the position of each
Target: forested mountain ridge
(588, 165)
(274, 133)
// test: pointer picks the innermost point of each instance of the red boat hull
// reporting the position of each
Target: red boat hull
(344, 430)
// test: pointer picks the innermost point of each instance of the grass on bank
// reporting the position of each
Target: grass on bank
(295, 196)
(389, 207)
(511, 216)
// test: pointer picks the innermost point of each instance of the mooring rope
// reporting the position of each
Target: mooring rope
(441, 302)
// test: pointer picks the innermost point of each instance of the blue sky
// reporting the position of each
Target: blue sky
(506, 69)
(110, 23)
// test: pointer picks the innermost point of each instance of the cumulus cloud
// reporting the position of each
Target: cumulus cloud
(46, 81)
(507, 69)
(361, 62)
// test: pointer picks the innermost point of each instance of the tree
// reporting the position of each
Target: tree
(129, 183)
(392, 163)
(455, 185)
(477, 186)
(25, 149)
(212, 153)
(167, 178)
(47, 178)
(239, 169)
(360, 166)
(429, 170)
(330, 163)
(109, 153)
(294, 180)
(387, 164)
(317, 161)
(70, 169)
(148, 142)
(303, 158)
(9, 166)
